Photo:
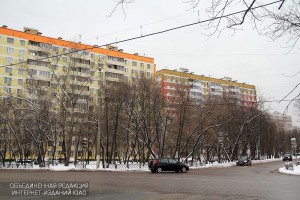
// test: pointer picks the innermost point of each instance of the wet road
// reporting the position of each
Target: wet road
(259, 181)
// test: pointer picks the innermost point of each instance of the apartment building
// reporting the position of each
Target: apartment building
(27, 53)
(32, 64)
(201, 87)
(283, 121)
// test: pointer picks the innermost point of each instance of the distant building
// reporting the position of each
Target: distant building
(283, 122)
(203, 87)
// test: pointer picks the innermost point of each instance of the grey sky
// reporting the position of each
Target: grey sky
(244, 56)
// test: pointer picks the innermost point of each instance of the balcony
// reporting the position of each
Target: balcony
(37, 48)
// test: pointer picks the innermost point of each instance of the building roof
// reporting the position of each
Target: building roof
(59, 42)
(204, 78)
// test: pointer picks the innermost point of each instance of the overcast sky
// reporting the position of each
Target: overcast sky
(244, 56)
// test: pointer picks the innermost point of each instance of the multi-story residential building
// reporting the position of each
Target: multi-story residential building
(32, 64)
(201, 87)
(283, 121)
(29, 53)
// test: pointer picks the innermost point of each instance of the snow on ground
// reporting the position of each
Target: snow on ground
(296, 170)
(136, 167)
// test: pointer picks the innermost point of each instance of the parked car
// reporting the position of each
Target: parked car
(244, 160)
(167, 164)
(287, 156)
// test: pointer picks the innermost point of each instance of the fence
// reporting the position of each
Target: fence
(15, 165)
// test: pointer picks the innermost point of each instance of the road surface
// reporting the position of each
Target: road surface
(259, 181)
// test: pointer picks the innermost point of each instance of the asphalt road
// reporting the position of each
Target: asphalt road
(259, 181)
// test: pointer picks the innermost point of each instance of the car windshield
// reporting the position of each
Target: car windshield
(286, 155)
(243, 158)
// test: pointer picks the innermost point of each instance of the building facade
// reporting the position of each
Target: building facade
(201, 87)
(28, 53)
(283, 122)
(34, 65)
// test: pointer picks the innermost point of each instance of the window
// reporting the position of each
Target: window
(100, 65)
(91, 81)
(64, 59)
(64, 68)
(148, 74)
(43, 73)
(9, 50)
(91, 91)
(21, 60)
(148, 66)
(7, 90)
(10, 40)
(32, 72)
(7, 79)
(22, 43)
(22, 52)
(54, 67)
(65, 50)
(46, 46)
(20, 81)
(55, 58)
(19, 91)
(8, 70)
(55, 49)
(172, 161)
(20, 72)
(9, 60)
(142, 65)
(134, 63)
(163, 160)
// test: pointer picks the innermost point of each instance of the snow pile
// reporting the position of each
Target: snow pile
(296, 170)
(62, 167)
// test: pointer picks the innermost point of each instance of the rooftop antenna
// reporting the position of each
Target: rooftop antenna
(79, 39)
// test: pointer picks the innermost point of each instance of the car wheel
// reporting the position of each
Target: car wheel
(159, 170)
(183, 169)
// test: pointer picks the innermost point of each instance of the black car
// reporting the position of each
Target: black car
(167, 164)
(244, 160)
(287, 156)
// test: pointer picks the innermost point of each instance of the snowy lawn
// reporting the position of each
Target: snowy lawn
(296, 170)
